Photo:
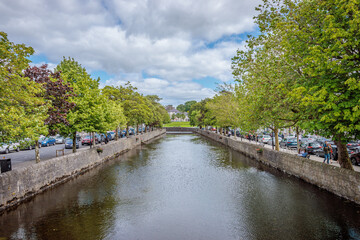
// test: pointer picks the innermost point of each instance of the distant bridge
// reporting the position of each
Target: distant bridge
(180, 130)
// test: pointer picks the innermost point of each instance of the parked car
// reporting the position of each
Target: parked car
(308, 139)
(320, 152)
(48, 141)
(102, 137)
(112, 134)
(10, 146)
(288, 143)
(334, 155)
(311, 147)
(264, 138)
(109, 136)
(89, 139)
(132, 131)
(355, 158)
(271, 140)
(59, 140)
(69, 144)
(123, 133)
(353, 145)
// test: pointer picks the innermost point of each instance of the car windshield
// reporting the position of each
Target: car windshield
(69, 141)
(266, 136)
(291, 140)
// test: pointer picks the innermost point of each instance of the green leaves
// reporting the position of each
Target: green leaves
(22, 111)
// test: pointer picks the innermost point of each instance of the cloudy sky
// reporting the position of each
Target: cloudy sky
(177, 49)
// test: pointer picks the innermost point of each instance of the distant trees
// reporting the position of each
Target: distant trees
(138, 109)
(223, 109)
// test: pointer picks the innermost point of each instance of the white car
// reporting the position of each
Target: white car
(270, 142)
(59, 140)
(264, 138)
(7, 147)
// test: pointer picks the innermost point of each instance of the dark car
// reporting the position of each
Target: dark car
(69, 144)
(48, 141)
(311, 147)
(288, 143)
(355, 158)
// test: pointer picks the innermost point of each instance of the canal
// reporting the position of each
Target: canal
(183, 187)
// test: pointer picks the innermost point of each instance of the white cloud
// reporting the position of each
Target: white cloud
(161, 38)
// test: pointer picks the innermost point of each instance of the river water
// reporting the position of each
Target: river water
(183, 187)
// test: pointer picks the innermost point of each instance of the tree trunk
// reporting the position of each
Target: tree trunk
(94, 139)
(343, 155)
(145, 129)
(37, 151)
(276, 132)
(127, 131)
(137, 129)
(297, 140)
(117, 133)
(74, 142)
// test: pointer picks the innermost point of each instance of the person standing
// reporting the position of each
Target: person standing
(326, 153)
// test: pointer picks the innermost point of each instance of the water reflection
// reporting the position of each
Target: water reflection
(183, 187)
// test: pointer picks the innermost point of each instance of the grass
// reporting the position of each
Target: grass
(178, 124)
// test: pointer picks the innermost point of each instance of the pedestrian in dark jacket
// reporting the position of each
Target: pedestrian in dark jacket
(326, 152)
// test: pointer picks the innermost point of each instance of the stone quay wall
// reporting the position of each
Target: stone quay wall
(339, 181)
(24, 182)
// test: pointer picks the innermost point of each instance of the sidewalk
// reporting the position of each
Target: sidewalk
(312, 157)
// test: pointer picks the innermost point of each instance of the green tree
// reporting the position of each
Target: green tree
(181, 108)
(87, 115)
(188, 105)
(325, 36)
(158, 114)
(223, 108)
(267, 83)
(22, 109)
(197, 113)
(133, 103)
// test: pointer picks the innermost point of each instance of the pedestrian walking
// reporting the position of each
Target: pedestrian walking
(326, 152)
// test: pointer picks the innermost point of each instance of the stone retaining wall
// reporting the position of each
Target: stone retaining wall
(342, 182)
(24, 182)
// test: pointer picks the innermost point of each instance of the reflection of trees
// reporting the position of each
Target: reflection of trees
(82, 208)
